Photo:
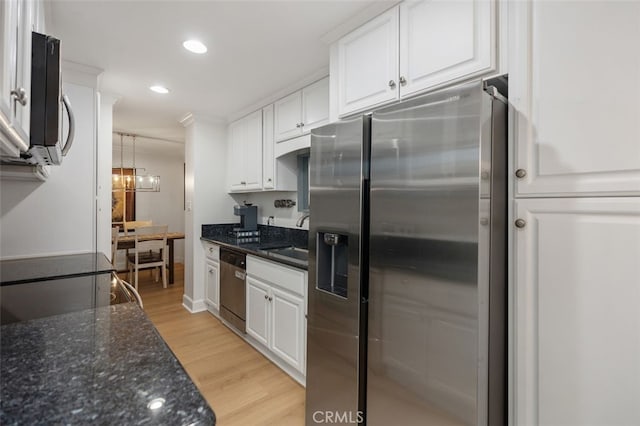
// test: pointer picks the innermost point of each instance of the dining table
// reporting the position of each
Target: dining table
(129, 242)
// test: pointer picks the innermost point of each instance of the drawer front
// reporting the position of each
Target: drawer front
(212, 251)
(283, 276)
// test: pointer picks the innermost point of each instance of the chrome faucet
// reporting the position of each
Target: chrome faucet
(302, 219)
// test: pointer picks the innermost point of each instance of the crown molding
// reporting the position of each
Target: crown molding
(365, 15)
(81, 74)
(312, 78)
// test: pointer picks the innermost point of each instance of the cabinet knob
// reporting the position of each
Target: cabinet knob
(243, 183)
(20, 95)
(269, 180)
(301, 124)
(266, 297)
(298, 125)
(403, 81)
(520, 223)
(211, 271)
(270, 298)
(210, 249)
(392, 84)
(520, 173)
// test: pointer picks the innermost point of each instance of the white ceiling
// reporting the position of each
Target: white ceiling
(256, 48)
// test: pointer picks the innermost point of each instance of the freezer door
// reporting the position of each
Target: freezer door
(336, 179)
(428, 293)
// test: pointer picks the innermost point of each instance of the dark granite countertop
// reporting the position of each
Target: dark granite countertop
(96, 366)
(16, 271)
(270, 237)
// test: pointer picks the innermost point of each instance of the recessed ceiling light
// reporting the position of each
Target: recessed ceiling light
(159, 89)
(195, 46)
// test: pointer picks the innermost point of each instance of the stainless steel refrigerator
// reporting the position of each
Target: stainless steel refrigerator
(406, 300)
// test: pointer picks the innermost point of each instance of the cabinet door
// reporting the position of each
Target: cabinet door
(212, 286)
(444, 41)
(23, 70)
(288, 116)
(13, 139)
(577, 327)
(268, 155)
(253, 152)
(287, 335)
(258, 320)
(238, 143)
(368, 64)
(315, 105)
(8, 55)
(570, 138)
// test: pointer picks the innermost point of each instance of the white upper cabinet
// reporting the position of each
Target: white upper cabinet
(277, 174)
(288, 115)
(17, 20)
(268, 144)
(302, 111)
(574, 85)
(368, 64)
(245, 153)
(443, 41)
(575, 316)
(315, 105)
(413, 47)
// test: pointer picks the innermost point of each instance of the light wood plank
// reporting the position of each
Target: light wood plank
(239, 383)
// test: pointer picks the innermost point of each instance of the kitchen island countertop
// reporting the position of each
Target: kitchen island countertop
(96, 366)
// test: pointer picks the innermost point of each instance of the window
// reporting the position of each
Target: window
(303, 183)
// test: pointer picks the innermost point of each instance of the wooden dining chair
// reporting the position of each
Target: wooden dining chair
(134, 224)
(149, 253)
(115, 233)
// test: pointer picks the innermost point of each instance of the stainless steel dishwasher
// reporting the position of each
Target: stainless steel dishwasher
(233, 267)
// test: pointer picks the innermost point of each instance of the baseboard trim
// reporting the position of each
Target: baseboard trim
(193, 306)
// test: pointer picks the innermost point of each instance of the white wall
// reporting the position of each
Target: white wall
(103, 164)
(286, 217)
(59, 215)
(167, 161)
(206, 196)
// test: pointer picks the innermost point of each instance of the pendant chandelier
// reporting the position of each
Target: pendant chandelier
(133, 182)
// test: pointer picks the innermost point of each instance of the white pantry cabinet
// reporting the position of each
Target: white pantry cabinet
(302, 111)
(18, 18)
(575, 93)
(576, 301)
(413, 47)
(245, 153)
(212, 277)
(276, 310)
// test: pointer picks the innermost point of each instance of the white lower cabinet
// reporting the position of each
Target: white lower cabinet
(212, 277)
(287, 334)
(258, 310)
(212, 286)
(576, 295)
(276, 311)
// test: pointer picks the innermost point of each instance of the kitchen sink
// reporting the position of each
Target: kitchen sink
(294, 252)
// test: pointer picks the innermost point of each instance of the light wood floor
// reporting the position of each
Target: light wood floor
(241, 385)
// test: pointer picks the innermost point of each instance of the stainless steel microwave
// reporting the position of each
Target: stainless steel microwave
(45, 145)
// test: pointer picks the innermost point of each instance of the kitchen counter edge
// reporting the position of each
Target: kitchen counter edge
(260, 253)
